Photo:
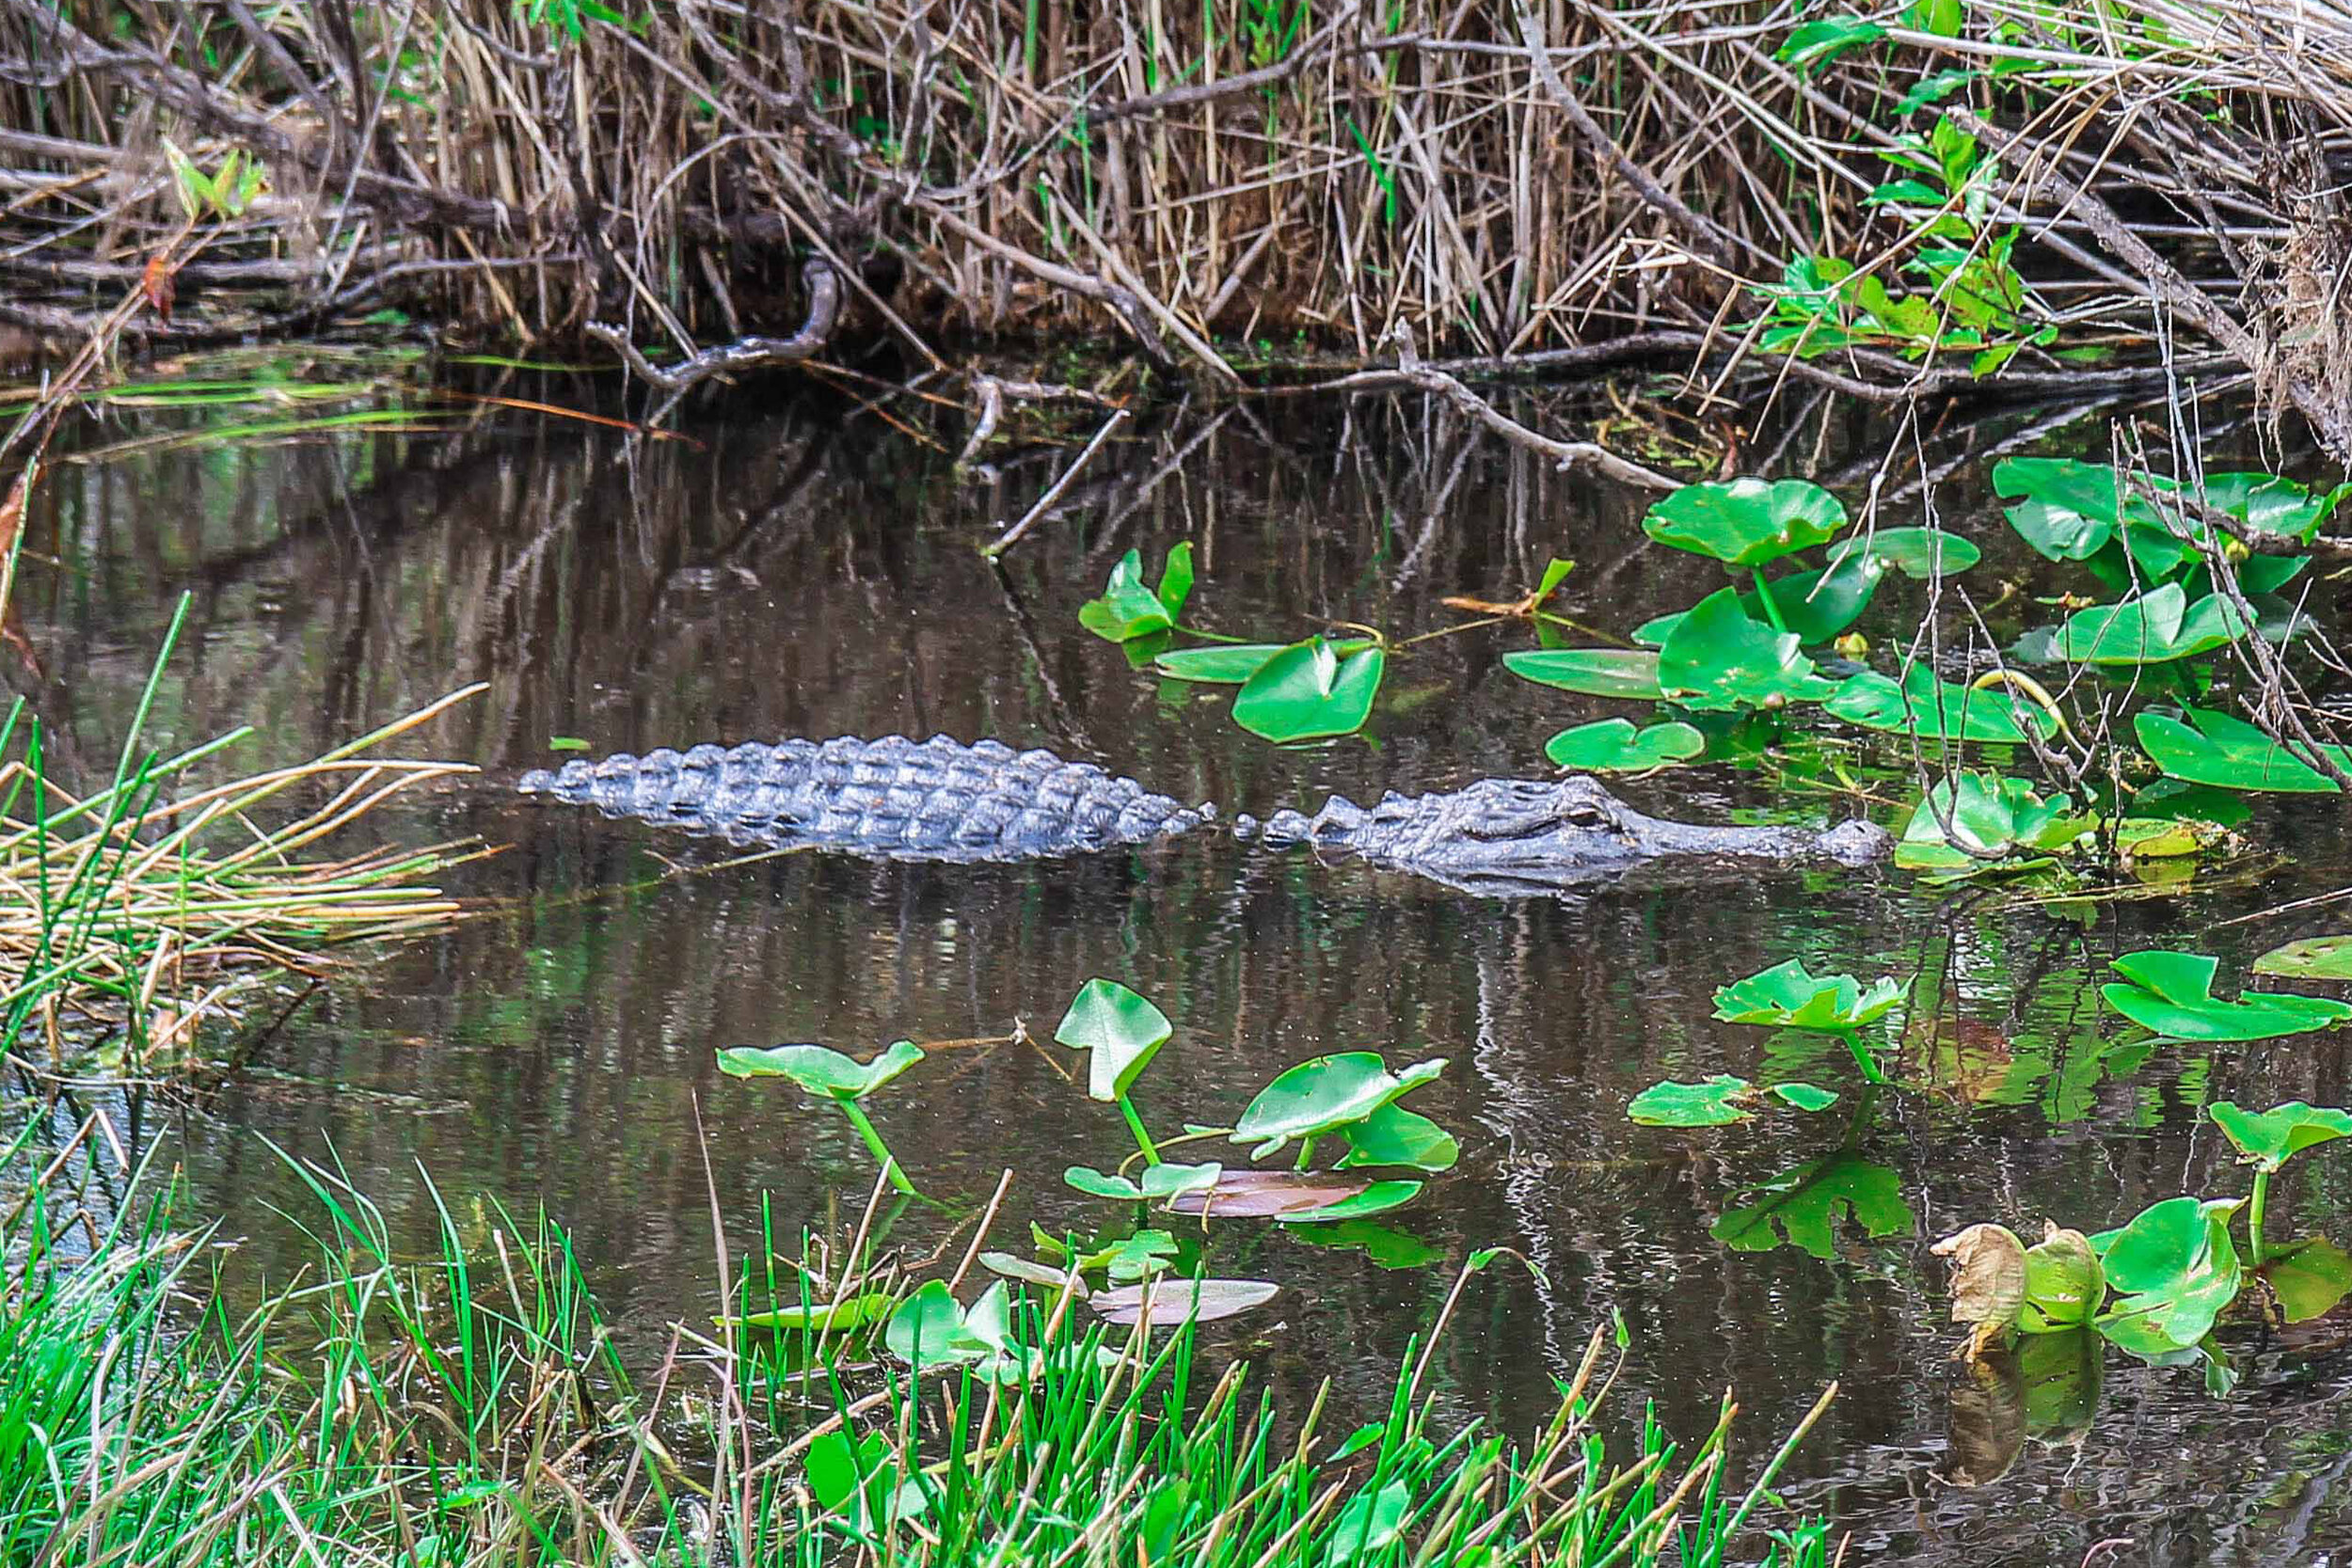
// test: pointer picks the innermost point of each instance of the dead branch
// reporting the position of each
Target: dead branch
(744, 354)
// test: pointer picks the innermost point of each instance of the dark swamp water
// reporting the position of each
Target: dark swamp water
(810, 571)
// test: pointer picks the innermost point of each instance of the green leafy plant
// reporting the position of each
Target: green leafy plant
(1789, 996)
(2219, 749)
(1802, 1207)
(2171, 994)
(1126, 611)
(1614, 745)
(1718, 1101)
(1935, 709)
(2269, 1140)
(225, 193)
(1311, 692)
(838, 1080)
(2310, 958)
(1996, 824)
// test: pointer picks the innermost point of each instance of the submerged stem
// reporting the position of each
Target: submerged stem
(2254, 1216)
(883, 1156)
(1134, 1125)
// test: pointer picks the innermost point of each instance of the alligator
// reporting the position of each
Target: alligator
(940, 799)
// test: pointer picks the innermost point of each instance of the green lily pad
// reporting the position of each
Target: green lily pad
(1324, 1095)
(2002, 816)
(2153, 628)
(1126, 609)
(2309, 1277)
(1120, 1032)
(1816, 606)
(2172, 993)
(1712, 1103)
(2175, 1265)
(1716, 658)
(2269, 1140)
(1592, 672)
(1308, 691)
(1937, 709)
(1802, 1207)
(1614, 745)
(2311, 958)
(1095, 1183)
(1746, 522)
(1379, 1198)
(1225, 664)
(1809, 1098)
(2065, 1283)
(930, 1330)
(2070, 510)
(2227, 751)
(1393, 1136)
(1789, 996)
(1916, 552)
(818, 1068)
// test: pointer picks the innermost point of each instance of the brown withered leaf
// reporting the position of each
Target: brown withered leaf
(1988, 1281)
(159, 283)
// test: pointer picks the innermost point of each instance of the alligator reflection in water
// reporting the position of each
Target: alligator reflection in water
(896, 798)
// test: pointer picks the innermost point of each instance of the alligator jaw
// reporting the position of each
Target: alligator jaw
(1505, 837)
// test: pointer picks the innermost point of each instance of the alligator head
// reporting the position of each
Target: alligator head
(1500, 836)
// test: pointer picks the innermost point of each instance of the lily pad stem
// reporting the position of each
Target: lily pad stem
(2254, 1216)
(1134, 1125)
(888, 1161)
(1863, 1057)
(1207, 636)
(1306, 1152)
(1764, 597)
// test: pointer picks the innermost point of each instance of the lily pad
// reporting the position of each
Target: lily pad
(1308, 691)
(2065, 1284)
(2269, 1140)
(1789, 996)
(1393, 1136)
(1746, 522)
(1717, 657)
(820, 1069)
(2153, 628)
(2311, 958)
(2175, 1265)
(1816, 606)
(2309, 1277)
(1029, 1272)
(930, 1330)
(1937, 709)
(1126, 609)
(1592, 672)
(1808, 1098)
(1267, 1193)
(1614, 745)
(1170, 1302)
(1916, 552)
(2172, 993)
(1324, 1095)
(1226, 664)
(2228, 753)
(2001, 815)
(1803, 1206)
(1712, 1103)
(1119, 1031)
(1384, 1246)
(1377, 1198)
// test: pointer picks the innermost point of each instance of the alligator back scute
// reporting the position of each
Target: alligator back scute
(892, 798)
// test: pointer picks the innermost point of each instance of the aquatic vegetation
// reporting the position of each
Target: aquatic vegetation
(1614, 745)
(1789, 996)
(2310, 958)
(1311, 692)
(134, 918)
(2172, 994)
(468, 1408)
(1996, 824)
(2172, 1269)
(1803, 1206)
(2226, 751)
(1719, 1102)
(1126, 609)
(839, 1081)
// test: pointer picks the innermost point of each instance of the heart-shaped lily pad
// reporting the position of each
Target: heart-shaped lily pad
(1746, 522)
(2153, 628)
(1309, 691)
(1716, 658)
(2227, 751)
(2172, 993)
(1126, 609)
(2175, 1265)
(1937, 709)
(1712, 1103)
(1393, 1136)
(2001, 815)
(1226, 664)
(818, 1068)
(1119, 1031)
(1592, 672)
(1324, 1095)
(1614, 745)
(2269, 1140)
(1789, 996)
(1916, 552)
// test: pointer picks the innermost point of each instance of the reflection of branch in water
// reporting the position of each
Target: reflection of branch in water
(1066, 725)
